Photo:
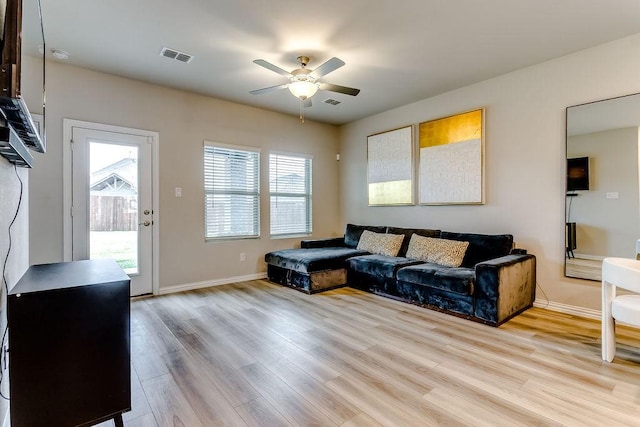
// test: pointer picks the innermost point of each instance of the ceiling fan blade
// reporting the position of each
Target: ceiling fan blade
(267, 89)
(340, 89)
(270, 66)
(329, 66)
(307, 103)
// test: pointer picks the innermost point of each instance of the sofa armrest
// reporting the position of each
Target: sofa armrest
(333, 242)
(510, 281)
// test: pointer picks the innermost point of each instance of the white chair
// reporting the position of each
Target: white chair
(621, 273)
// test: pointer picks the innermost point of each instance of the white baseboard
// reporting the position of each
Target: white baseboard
(209, 283)
(568, 309)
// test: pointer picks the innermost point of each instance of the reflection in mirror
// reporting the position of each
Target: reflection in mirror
(602, 219)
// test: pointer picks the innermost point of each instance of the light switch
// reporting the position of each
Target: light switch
(178, 191)
(613, 195)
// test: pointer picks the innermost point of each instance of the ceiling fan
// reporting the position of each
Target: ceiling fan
(303, 82)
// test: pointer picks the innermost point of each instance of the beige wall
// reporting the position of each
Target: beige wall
(18, 260)
(607, 227)
(525, 157)
(183, 121)
(525, 161)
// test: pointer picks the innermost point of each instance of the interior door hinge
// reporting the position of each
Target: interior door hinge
(71, 211)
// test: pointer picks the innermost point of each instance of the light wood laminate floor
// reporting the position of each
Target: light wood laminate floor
(258, 354)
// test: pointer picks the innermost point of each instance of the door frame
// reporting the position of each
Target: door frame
(67, 193)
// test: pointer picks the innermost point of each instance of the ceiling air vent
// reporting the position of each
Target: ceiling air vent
(332, 101)
(174, 54)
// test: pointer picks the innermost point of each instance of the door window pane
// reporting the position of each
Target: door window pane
(113, 205)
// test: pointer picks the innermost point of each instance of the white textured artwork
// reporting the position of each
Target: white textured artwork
(451, 173)
(390, 170)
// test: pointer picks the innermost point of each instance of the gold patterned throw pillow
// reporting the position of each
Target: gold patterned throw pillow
(445, 252)
(380, 243)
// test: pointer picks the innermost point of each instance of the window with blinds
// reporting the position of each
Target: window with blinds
(290, 194)
(231, 191)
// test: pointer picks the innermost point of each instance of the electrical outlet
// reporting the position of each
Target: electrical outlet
(243, 256)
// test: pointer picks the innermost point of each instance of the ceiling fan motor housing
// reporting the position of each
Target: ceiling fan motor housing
(302, 75)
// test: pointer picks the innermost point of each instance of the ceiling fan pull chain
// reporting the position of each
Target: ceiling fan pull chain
(301, 110)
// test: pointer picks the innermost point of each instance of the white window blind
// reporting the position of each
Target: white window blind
(290, 194)
(232, 192)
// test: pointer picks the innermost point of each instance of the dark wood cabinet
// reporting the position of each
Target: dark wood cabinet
(69, 344)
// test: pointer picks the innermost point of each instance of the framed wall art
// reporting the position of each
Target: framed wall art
(451, 165)
(390, 167)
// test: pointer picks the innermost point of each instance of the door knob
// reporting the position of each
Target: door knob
(146, 223)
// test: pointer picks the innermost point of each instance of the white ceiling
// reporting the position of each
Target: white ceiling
(396, 51)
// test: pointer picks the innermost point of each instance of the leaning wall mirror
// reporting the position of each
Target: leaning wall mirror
(602, 215)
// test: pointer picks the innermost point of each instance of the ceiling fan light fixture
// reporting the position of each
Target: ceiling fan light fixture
(303, 89)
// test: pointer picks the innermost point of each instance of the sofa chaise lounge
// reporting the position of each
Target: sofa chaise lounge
(475, 276)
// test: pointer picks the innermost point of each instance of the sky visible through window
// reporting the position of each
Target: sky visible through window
(104, 154)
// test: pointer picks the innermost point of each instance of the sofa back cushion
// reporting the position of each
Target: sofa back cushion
(353, 232)
(380, 243)
(482, 247)
(449, 253)
(408, 232)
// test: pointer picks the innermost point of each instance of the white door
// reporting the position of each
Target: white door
(112, 207)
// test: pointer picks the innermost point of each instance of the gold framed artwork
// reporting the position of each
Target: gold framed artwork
(451, 165)
(390, 167)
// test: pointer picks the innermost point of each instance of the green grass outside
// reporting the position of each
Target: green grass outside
(120, 245)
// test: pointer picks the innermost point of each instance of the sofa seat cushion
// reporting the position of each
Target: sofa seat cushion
(311, 260)
(379, 265)
(459, 280)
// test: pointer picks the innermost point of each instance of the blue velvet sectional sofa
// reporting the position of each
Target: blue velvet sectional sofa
(491, 284)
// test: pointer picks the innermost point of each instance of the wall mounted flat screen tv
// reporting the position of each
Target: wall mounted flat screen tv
(578, 174)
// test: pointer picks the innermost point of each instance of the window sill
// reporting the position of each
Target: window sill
(289, 236)
(229, 239)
